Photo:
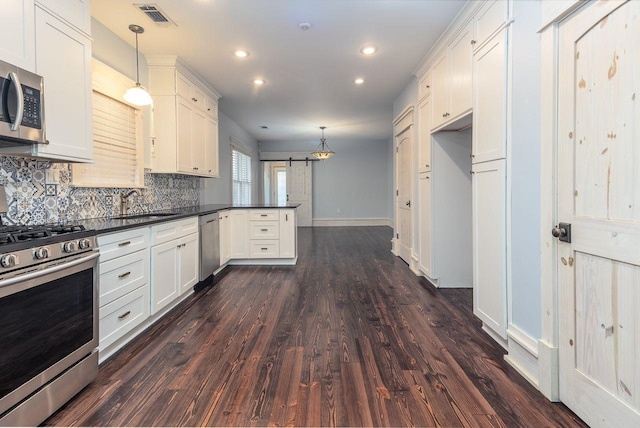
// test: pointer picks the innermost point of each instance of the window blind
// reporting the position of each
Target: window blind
(241, 177)
(115, 146)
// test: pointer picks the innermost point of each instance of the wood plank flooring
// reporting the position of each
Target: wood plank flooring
(348, 337)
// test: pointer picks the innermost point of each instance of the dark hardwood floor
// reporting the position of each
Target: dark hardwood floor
(348, 337)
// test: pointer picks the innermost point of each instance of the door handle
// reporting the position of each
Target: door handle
(13, 77)
(563, 232)
(408, 203)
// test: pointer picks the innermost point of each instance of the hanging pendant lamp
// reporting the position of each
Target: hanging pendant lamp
(137, 95)
(323, 151)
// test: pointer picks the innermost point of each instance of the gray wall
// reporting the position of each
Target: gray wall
(355, 180)
(525, 169)
(218, 190)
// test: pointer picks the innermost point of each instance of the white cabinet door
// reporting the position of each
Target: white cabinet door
(424, 189)
(490, 100)
(441, 91)
(63, 58)
(224, 237)
(460, 70)
(164, 275)
(288, 248)
(76, 12)
(239, 232)
(424, 136)
(17, 32)
(493, 14)
(185, 136)
(198, 152)
(211, 164)
(188, 266)
(489, 245)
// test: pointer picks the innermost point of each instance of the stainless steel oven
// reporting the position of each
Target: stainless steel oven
(48, 327)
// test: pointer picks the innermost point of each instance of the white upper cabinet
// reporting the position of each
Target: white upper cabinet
(185, 117)
(17, 30)
(63, 59)
(424, 135)
(490, 18)
(490, 100)
(452, 78)
(74, 12)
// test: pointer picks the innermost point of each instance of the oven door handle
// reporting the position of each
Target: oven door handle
(48, 271)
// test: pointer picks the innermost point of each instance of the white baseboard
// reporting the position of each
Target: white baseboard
(333, 222)
(415, 264)
(548, 370)
(523, 354)
(495, 336)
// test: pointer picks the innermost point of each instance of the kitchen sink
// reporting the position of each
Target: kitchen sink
(149, 216)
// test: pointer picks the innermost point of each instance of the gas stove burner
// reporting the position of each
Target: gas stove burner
(57, 230)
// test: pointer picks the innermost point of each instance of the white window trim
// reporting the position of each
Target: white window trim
(241, 148)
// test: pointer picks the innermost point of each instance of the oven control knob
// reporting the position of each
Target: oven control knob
(41, 253)
(10, 260)
(69, 247)
(84, 243)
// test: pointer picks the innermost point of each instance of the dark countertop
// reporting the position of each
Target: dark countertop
(110, 225)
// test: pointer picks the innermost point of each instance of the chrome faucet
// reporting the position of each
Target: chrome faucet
(124, 200)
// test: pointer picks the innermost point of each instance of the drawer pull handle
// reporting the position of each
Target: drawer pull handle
(122, 244)
(123, 316)
(124, 275)
(263, 215)
(264, 230)
(264, 249)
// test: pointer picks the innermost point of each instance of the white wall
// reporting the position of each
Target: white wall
(525, 169)
(355, 180)
(218, 190)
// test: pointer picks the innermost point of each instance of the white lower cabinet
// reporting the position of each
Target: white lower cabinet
(489, 245)
(258, 235)
(124, 283)
(424, 190)
(174, 261)
(288, 234)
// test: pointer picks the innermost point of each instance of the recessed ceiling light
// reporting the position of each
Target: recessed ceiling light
(304, 26)
(264, 127)
(359, 81)
(368, 50)
(258, 82)
(241, 54)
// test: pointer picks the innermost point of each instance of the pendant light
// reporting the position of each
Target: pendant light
(323, 151)
(137, 95)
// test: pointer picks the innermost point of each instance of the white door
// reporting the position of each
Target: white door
(299, 178)
(599, 195)
(403, 198)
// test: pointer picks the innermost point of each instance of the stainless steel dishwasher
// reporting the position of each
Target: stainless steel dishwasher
(209, 245)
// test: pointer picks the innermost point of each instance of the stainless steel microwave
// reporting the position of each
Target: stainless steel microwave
(22, 107)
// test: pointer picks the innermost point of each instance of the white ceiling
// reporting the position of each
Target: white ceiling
(310, 74)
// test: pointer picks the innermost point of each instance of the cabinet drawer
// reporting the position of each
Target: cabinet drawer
(264, 230)
(122, 243)
(263, 214)
(266, 249)
(123, 315)
(123, 275)
(165, 232)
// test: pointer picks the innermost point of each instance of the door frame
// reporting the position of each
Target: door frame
(553, 14)
(401, 123)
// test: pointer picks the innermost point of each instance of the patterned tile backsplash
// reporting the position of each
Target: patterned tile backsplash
(41, 192)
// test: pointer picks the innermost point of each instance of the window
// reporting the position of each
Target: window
(240, 177)
(117, 139)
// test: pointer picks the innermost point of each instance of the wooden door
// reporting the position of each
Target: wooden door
(299, 179)
(403, 198)
(599, 195)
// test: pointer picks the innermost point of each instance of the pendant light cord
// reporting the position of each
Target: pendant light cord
(137, 62)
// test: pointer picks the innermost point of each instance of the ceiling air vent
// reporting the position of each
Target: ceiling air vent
(154, 13)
